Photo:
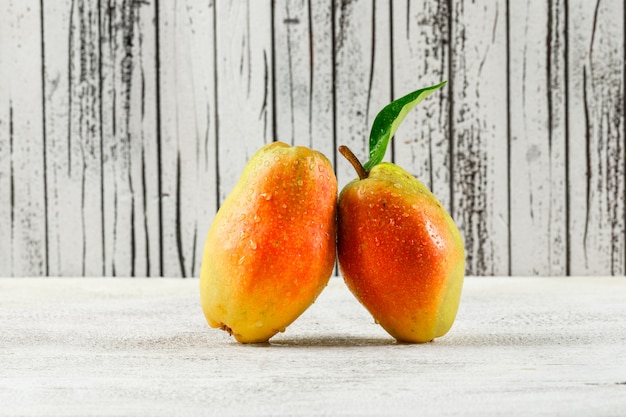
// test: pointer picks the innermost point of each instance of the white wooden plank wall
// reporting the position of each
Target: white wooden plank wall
(124, 123)
(538, 140)
(596, 137)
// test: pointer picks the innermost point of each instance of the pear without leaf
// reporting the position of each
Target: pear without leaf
(271, 248)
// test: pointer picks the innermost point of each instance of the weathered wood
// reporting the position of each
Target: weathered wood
(362, 47)
(130, 150)
(421, 38)
(6, 149)
(124, 124)
(479, 130)
(244, 85)
(538, 139)
(188, 131)
(137, 347)
(74, 137)
(303, 67)
(22, 142)
(596, 137)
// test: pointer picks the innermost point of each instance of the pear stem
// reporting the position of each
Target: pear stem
(347, 153)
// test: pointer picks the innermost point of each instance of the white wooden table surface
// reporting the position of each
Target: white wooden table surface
(110, 346)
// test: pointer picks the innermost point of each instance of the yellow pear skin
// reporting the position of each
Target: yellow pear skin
(400, 253)
(271, 248)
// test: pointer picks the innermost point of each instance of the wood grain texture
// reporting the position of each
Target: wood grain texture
(596, 137)
(188, 131)
(479, 130)
(137, 347)
(130, 152)
(303, 68)
(538, 138)
(244, 85)
(362, 48)
(6, 150)
(124, 124)
(421, 57)
(23, 237)
(74, 138)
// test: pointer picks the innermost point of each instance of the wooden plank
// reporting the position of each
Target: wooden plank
(538, 138)
(479, 128)
(362, 75)
(303, 67)
(596, 137)
(188, 129)
(244, 85)
(22, 142)
(130, 152)
(6, 147)
(421, 36)
(74, 141)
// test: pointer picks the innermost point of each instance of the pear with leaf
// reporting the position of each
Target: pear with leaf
(399, 251)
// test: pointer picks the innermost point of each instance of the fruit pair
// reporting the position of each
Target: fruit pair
(271, 248)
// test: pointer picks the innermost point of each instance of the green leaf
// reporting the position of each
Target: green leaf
(388, 120)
